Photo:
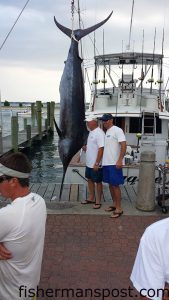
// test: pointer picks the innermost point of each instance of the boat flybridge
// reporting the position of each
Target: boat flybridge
(138, 101)
(132, 90)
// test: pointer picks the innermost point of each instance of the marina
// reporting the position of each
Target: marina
(88, 254)
(128, 84)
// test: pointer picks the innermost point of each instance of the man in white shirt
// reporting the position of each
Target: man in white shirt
(114, 151)
(22, 230)
(151, 267)
(94, 153)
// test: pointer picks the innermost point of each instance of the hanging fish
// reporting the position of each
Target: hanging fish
(72, 128)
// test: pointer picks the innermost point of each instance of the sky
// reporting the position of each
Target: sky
(32, 59)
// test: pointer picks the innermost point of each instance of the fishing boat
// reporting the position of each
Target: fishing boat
(130, 86)
(138, 102)
(24, 113)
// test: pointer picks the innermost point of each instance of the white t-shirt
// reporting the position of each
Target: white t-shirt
(151, 267)
(22, 230)
(94, 142)
(114, 135)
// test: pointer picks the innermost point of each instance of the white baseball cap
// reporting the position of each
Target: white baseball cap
(90, 118)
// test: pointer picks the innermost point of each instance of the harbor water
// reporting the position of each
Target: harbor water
(46, 163)
(44, 156)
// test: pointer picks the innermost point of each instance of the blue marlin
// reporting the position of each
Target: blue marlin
(72, 128)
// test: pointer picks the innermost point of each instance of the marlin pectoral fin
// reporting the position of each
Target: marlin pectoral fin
(64, 29)
(57, 129)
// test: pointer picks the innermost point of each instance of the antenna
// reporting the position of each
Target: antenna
(131, 23)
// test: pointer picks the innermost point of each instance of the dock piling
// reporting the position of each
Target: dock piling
(52, 110)
(14, 133)
(39, 118)
(33, 114)
(146, 186)
(28, 134)
(48, 115)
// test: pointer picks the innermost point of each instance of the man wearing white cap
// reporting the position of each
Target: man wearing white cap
(22, 230)
(94, 153)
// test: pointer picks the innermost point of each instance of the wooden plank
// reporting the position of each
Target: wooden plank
(35, 187)
(128, 193)
(82, 192)
(49, 192)
(42, 189)
(74, 193)
(56, 192)
(30, 185)
(66, 192)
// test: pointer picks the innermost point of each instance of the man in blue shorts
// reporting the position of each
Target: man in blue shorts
(114, 151)
(94, 153)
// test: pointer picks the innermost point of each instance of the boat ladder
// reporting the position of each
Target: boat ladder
(149, 124)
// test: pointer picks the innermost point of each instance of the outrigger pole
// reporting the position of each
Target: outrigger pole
(131, 22)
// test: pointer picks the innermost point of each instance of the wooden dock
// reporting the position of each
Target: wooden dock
(19, 140)
(75, 192)
(23, 140)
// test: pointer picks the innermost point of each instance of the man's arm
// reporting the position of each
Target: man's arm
(98, 159)
(122, 153)
(4, 252)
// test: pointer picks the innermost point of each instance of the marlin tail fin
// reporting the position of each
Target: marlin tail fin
(79, 33)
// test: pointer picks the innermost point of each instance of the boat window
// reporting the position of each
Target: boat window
(135, 125)
(158, 125)
(120, 122)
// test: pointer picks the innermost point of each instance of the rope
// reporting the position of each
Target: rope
(72, 12)
(14, 24)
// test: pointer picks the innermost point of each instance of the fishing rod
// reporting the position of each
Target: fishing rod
(13, 25)
(134, 67)
(104, 79)
(95, 81)
(122, 74)
(87, 75)
(141, 78)
(151, 80)
(161, 72)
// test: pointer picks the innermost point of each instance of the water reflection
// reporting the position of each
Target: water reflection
(46, 163)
